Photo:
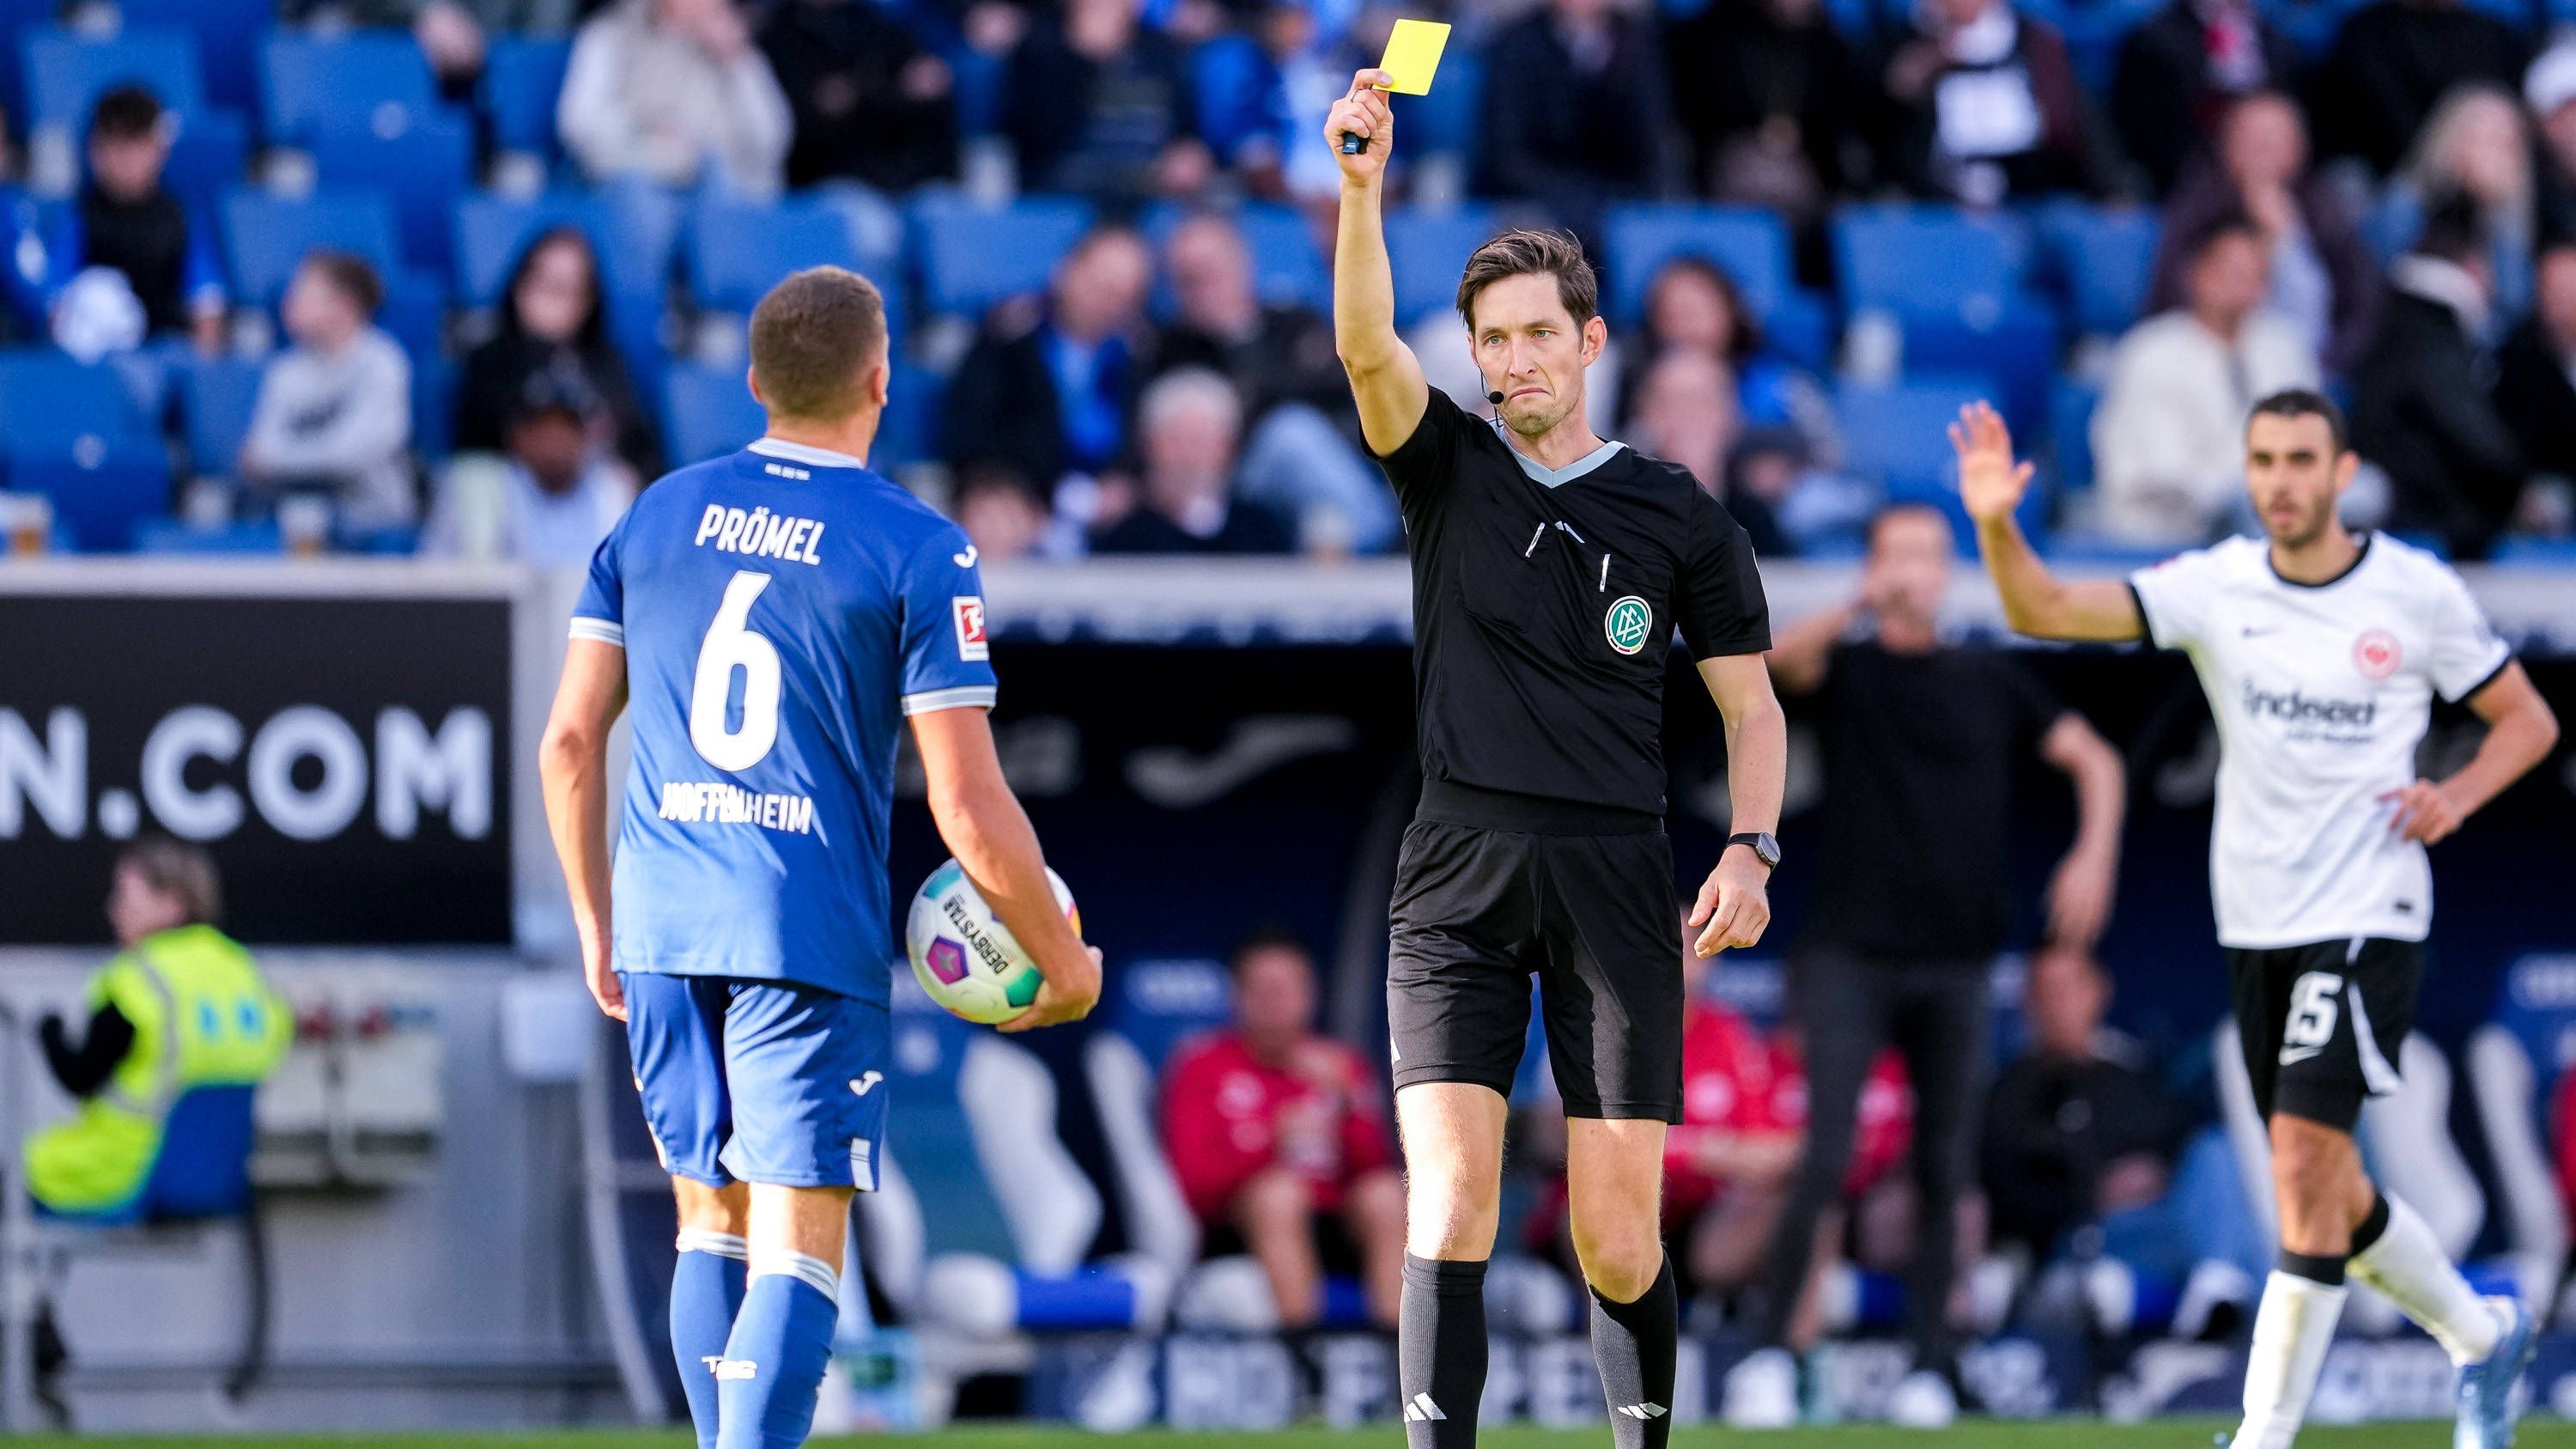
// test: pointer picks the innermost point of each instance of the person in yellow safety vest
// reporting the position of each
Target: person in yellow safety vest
(182, 1006)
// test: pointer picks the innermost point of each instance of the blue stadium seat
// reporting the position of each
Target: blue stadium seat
(2017, 345)
(707, 412)
(433, 405)
(304, 78)
(170, 535)
(1450, 119)
(1914, 260)
(1428, 250)
(738, 250)
(48, 400)
(228, 34)
(633, 230)
(421, 160)
(1288, 268)
(209, 156)
(66, 72)
(1899, 432)
(1749, 244)
(909, 432)
(2071, 402)
(521, 77)
(415, 310)
(972, 257)
(216, 395)
(2105, 260)
(103, 486)
(2545, 553)
(930, 1140)
(265, 236)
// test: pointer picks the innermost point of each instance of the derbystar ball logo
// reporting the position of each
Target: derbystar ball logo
(2375, 654)
(1626, 624)
(971, 643)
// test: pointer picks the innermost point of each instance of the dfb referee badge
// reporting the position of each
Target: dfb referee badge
(1626, 624)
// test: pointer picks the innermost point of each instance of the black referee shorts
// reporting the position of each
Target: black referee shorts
(1492, 888)
(2321, 1024)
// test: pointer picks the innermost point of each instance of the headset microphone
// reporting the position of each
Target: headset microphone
(1495, 397)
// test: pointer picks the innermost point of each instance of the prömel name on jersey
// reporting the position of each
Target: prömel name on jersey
(760, 532)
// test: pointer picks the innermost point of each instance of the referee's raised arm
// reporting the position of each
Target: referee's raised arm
(1386, 379)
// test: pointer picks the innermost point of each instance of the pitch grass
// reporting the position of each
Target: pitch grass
(2051, 1434)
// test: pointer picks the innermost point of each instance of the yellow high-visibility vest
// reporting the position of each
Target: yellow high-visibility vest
(202, 1017)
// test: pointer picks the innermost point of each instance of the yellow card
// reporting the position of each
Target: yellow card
(1412, 54)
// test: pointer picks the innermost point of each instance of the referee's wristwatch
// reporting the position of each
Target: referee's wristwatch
(1766, 846)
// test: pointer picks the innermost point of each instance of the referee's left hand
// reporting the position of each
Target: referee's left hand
(1735, 903)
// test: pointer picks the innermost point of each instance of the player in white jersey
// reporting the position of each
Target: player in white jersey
(2320, 651)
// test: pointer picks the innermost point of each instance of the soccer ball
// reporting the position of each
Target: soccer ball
(962, 953)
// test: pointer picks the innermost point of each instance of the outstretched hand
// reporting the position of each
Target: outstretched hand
(1991, 484)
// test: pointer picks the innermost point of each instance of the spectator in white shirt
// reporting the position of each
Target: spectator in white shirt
(671, 90)
(548, 498)
(2168, 440)
(334, 410)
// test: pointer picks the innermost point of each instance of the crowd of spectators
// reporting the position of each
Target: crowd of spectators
(2377, 204)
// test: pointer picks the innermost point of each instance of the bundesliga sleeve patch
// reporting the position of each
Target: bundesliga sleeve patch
(969, 612)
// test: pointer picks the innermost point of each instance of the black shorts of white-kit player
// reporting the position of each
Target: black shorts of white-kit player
(1544, 604)
(2320, 1024)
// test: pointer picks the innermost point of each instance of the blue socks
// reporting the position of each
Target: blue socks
(781, 1346)
(706, 1293)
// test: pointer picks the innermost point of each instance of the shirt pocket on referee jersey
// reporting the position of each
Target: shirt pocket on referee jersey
(1528, 586)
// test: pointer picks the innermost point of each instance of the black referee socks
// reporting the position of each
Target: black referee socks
(1634, 1344)
(1440, 1352)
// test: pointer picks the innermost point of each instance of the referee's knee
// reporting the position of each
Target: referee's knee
(1620, 1260)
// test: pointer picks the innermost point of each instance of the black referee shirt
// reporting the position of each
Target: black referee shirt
(1544, 608)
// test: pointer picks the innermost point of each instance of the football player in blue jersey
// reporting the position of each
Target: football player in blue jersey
(771, 617)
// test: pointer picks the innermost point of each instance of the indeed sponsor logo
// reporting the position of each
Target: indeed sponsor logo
(2301, 708)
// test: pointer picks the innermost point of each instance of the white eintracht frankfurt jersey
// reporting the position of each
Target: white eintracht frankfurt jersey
(2321, 693)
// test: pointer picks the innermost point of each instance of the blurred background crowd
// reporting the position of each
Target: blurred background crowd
(458, 276)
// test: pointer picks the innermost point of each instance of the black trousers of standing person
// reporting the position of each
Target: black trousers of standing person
(1935, 1014)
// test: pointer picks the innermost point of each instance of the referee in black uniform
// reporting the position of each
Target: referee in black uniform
(1550, 569)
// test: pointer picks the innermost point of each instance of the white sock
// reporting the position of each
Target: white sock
(2292, 1331)
(2408, 1265)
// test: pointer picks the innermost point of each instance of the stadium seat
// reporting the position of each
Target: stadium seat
(67, 72)
(1749, 244)
(48, 400)
(216, 396)
(1428, 249)
(1288, 268)
(304, 78)
(1898, 434)
(521, 77)
(2104, 259)
(738, 250)
(228, 35)
(2071, 402)
(972, 257)
(909, 432)
(433, 405)
(415, 310)
(2514, 1065)
(2016, 347)
(209, 157)
(707, 412)
(2546, 553)
(633, 231)
(103, 487)
(170, 535)
(266, 236)
(1914, 260)
(1449, 120)
(421, 160)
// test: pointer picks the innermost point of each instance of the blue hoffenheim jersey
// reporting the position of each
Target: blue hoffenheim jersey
(781, 610)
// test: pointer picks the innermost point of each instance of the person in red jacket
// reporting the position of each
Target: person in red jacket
(1278, 1136)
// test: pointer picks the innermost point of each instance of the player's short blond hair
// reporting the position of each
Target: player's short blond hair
(813, 339)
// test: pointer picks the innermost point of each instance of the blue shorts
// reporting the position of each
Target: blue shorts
(758, 1081)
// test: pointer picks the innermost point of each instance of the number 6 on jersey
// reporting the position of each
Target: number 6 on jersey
(730, 644)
